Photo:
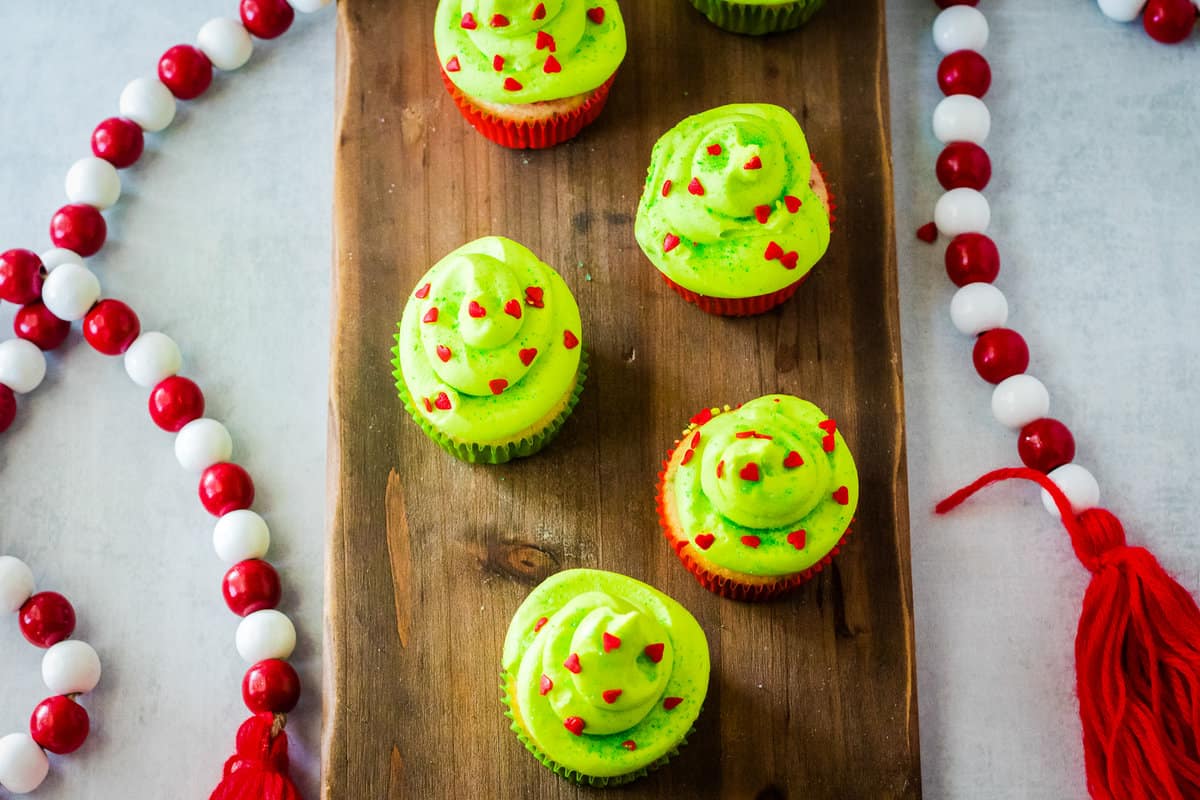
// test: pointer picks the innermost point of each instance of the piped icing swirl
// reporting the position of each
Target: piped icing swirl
(766, 489)
(729, 209)
(490, 342)
(518, 51)
(607, 674)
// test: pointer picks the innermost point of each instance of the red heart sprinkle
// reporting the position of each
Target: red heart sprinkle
(796, 539)
(546, 685)
(790, 260)
(704, 540)
(654, 652)
(629, 744)
(762, 214)
(512, 85)
(793, 203)
(572, 663)
(477, 311)
(670, 702)
(666, 190)
(468, 21)
(751, 541)
(423, 292)
(695, 439)
(431, 316)
(498, 386)
(793, 460)
(610, 695)
(927, 233)
(703, 417)
(842, 496)
(499, 21)
(533, 296)
(720, 469)
(714, 149)
(540, 11)
(498, 63)
(596, 14)
(570, 341)
(749, 472)
(829, 425)
(696, 188)
(428, 405)
(687, 456)
(754, 163)
(610, 642)
(442, 401)
(528, 355)
(574, 725)
(670, 242)
(552, 66)
(774, 251)
(443, 353)
(513, 308)
(828, 444)
(545, 40)
(541, 623)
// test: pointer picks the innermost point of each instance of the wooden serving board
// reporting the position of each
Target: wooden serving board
(812, 697)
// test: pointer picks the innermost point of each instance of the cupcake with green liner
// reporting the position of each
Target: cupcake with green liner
(603, 676)
(529, 73)
(489, 358)
(757, 499)
(758, 17)
(735, 213)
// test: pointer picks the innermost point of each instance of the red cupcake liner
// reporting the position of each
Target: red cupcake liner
(535, 135)
(736, 306)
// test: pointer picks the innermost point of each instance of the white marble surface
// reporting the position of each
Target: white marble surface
(226, 246)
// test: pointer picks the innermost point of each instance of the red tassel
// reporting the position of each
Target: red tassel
(259, 768)
(1137, 659)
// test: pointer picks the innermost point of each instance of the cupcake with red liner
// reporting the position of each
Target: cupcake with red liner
(755, 500)
(735, 213)
(529, 74)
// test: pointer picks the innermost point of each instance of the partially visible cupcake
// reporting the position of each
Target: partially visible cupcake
(757, 499)
(489, 358)
(734, 213)
(529, 73)
(758, 17)
(603, 676)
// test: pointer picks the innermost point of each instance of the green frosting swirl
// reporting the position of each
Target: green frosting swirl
(625, 660)
(490, 343)
(728, 210)
(548, 49)
(772, 482)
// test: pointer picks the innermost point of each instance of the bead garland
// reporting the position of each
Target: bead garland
(56, 289)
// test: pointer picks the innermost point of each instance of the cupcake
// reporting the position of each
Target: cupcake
(489, 358)
(603, 676)
(735, 213)
(525, 73)
(758, 17)
(757, 499)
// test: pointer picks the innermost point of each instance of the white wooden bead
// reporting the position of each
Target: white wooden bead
(1123, 10)
(978, 307)
(23, 765)
(960, 28)
(202, 443)
(22, 365)
(71, 667)
(1019, 400)
(152, 357)
(225, 42)
(265, 634)
(57, 256)
(240, 535)
(962, 210)
(961, 118)
(149, 103)
(308, 6)
(16, 584)
(70, 291)
(93, 181)
(1077, 484)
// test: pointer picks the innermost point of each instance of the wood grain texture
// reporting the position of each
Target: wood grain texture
(812, 697)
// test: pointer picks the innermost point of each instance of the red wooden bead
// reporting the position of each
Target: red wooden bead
(972, 258)
(948, 3)
(1169, 21)
(174, 402)
(1046, 444)
(80, 228)
(225, 487)
(186, 71)
(110, 327)
(267, 19)
(271, 685)
(1000, 353)
(251, 586)
(35, 323)
(47, 618)
(59, 725)
(118, 141)
(964, 72)
(20, 276)
(8, 407)
(964, 165)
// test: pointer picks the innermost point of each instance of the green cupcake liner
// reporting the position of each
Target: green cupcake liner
(574, 775)
(757, 20)
(490, 454)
